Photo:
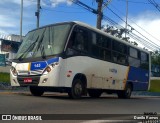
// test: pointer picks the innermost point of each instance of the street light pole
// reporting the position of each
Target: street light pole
(38, 12)
(21, 17)
(126, 18)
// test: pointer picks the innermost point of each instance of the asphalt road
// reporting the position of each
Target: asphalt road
(53, 103)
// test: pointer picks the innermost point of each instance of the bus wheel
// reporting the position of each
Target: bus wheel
(77, 89)
(94, 93)
(126, 94)
(36, 91)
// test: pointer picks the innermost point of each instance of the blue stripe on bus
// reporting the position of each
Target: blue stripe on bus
(139, 77)
(42, 64)
(50, 61)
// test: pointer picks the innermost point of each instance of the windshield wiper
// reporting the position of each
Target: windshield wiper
(41, 45)
(26, 51)
(43, 52)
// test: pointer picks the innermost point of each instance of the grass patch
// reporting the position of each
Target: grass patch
(155, 86)
(4, 77)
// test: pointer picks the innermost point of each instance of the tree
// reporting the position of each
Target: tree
(155, 57)
(118, 33)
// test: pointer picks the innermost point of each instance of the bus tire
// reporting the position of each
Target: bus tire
(126, 94)
(94, 93)
(36, 91)
(77, 89)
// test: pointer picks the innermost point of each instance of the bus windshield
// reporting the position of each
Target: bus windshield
(44, 42)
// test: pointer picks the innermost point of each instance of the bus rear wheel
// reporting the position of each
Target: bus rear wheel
(77, 89)
(94, 93)
(126, 94)
(36, 91)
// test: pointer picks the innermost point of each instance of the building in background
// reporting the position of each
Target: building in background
(9, 45)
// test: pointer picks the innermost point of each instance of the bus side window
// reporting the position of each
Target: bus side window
(133, 58)
(95, 49)
(119, 58)
(144, 61)
(78, 42)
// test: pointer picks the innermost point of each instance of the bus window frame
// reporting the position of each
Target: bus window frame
(69, 43)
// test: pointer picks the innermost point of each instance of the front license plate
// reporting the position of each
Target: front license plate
(27, 80)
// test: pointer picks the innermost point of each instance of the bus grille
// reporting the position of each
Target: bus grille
(35, 80)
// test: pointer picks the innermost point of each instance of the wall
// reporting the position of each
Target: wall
(5, 69)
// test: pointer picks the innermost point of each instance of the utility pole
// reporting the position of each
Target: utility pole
(126, 18)
(99, 13)
(21, 17)
(38, 12)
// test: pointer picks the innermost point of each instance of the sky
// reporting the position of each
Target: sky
(140, 12)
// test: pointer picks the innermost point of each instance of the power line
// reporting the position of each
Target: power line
(84, 6)
(142, 42)
(137, 24)
(136, 2)
(148, 42)
(155, 4)
(116, 15)
(133, 28)
(151, 46)
(145, 41)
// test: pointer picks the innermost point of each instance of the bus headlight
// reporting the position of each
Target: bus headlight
(14, 71)
(50, 67)
(47, 70)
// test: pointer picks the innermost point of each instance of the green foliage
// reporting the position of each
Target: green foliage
(4, 77)
(155, 86)
(119, 33)
(155, 57)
